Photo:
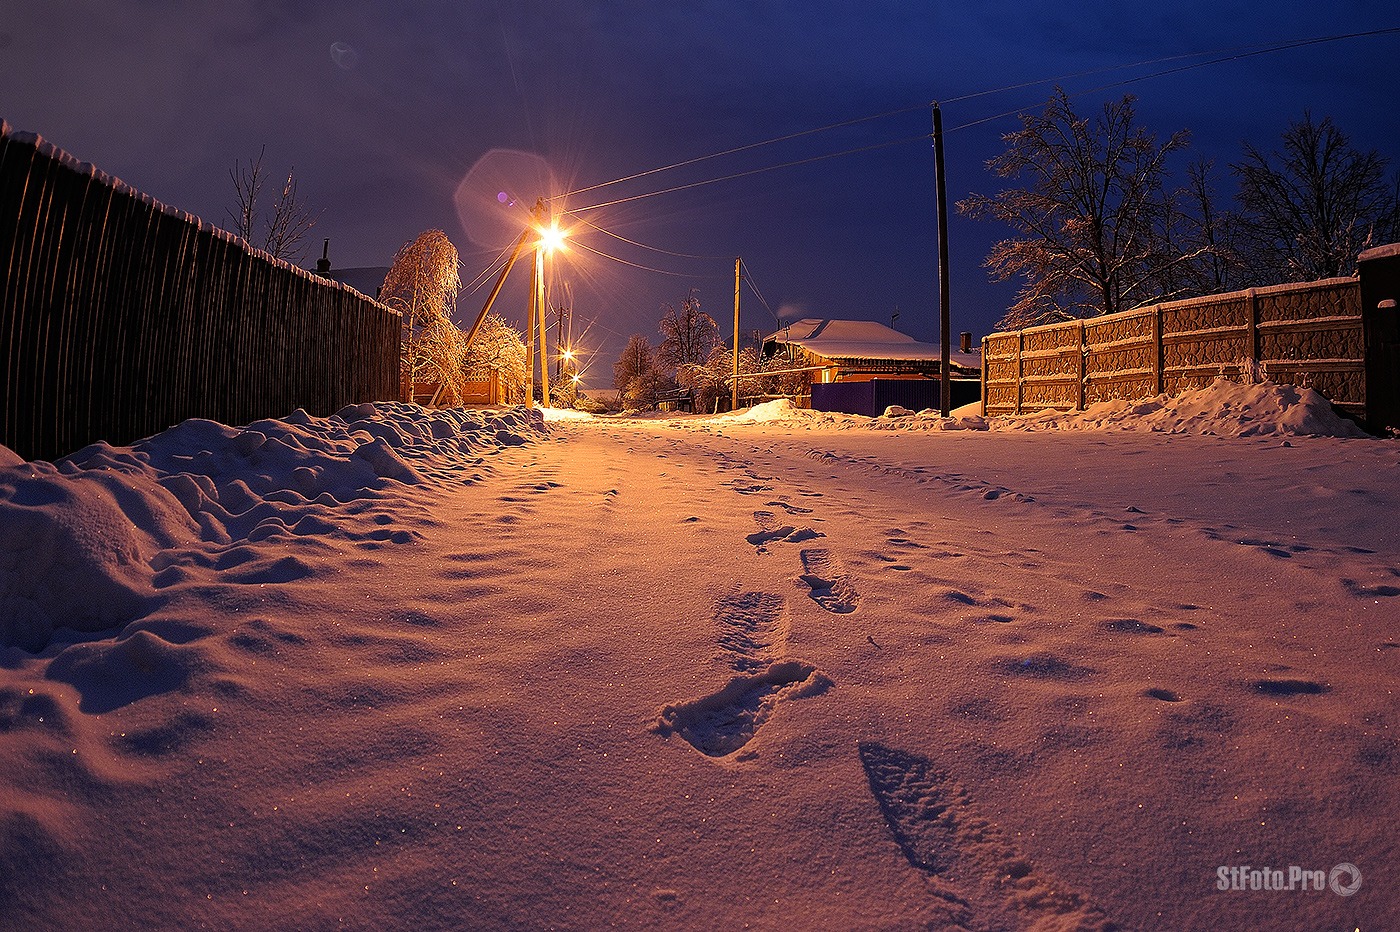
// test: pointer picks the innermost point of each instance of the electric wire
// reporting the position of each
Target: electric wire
(1238, 53)
(1301, 43)
(746, 147)
(743, 266)
(1251, 51)
(632, 242)
(635, 265)
(752, 171)
(496, 265)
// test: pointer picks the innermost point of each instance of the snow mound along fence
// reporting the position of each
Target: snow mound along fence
(82, 538)
(1223, 409)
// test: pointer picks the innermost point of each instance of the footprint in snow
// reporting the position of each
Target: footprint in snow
(971, 863)
(769, 530)
(720, 724)
(752, 629)
(830, 587)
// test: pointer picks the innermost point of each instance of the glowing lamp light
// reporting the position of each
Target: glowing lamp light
(552, 238)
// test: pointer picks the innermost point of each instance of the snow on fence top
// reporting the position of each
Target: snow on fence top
(47, 149)
(125, 316)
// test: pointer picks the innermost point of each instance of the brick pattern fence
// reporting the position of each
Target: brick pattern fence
(120, 317)
(1307, 334)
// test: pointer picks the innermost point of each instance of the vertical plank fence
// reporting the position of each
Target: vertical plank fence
(120, 317)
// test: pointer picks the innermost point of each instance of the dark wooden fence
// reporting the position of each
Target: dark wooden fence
(120, 317)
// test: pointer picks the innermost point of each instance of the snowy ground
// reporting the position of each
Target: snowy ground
(401, 669)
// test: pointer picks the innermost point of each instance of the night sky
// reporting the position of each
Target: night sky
(384, 112)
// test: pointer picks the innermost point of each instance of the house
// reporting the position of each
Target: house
(892, 368)
(860, 350)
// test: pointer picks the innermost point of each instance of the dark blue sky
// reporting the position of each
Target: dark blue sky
(166, 94)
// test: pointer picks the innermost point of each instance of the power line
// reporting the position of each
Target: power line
(636, 265)
(1300, 43)
(492, 269)
(632, 242)
(752, 171)
(754, 288)
(745, 148)
(880, 116)
(1239, 52)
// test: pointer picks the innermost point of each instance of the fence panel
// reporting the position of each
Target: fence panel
(121, 317)
(1120, 353)
(1308, 334)
(1000, 373)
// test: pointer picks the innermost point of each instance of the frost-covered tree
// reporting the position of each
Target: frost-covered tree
(690, 334)
(281, 232)
(635, 374)
(708, 382)
(422, 284)
(498, 347)
(1312, 206)
(1092, 216)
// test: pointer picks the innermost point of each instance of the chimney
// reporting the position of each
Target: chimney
(323, 264)
(966, 341)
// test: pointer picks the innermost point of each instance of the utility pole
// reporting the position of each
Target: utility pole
(559, 342)
(734, 390)
(944, 319)
(530, 332)
(539, 322)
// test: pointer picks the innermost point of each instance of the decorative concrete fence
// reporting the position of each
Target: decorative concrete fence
(1335, 336)
(120, 317)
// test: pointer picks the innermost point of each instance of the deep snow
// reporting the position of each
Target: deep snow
(400, 668)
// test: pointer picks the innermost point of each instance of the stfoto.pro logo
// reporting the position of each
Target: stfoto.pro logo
(1343, 880)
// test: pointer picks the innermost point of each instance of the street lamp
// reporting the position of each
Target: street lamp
(551, 238)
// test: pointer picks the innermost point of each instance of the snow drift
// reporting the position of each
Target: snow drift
(84, 541)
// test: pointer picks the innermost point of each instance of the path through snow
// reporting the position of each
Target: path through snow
(509, 676)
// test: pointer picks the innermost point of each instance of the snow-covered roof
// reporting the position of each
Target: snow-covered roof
(864, 339)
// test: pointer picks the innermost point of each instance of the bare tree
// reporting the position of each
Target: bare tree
(1219, 266)
(690, 334)
(1311, 207)
(1092, 219)
(283, 232)
(422, 284)
(247, 185)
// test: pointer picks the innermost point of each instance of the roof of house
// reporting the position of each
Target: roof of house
(864, 339)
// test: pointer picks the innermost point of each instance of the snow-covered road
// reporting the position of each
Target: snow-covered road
(708, 674)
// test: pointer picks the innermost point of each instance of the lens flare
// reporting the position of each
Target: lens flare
(494, 198)
(344, 56)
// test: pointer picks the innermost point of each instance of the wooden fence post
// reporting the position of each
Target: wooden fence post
(1158, 351)
(984, 377)
(1020, 368)
(1253, 298)
(1083, 363)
